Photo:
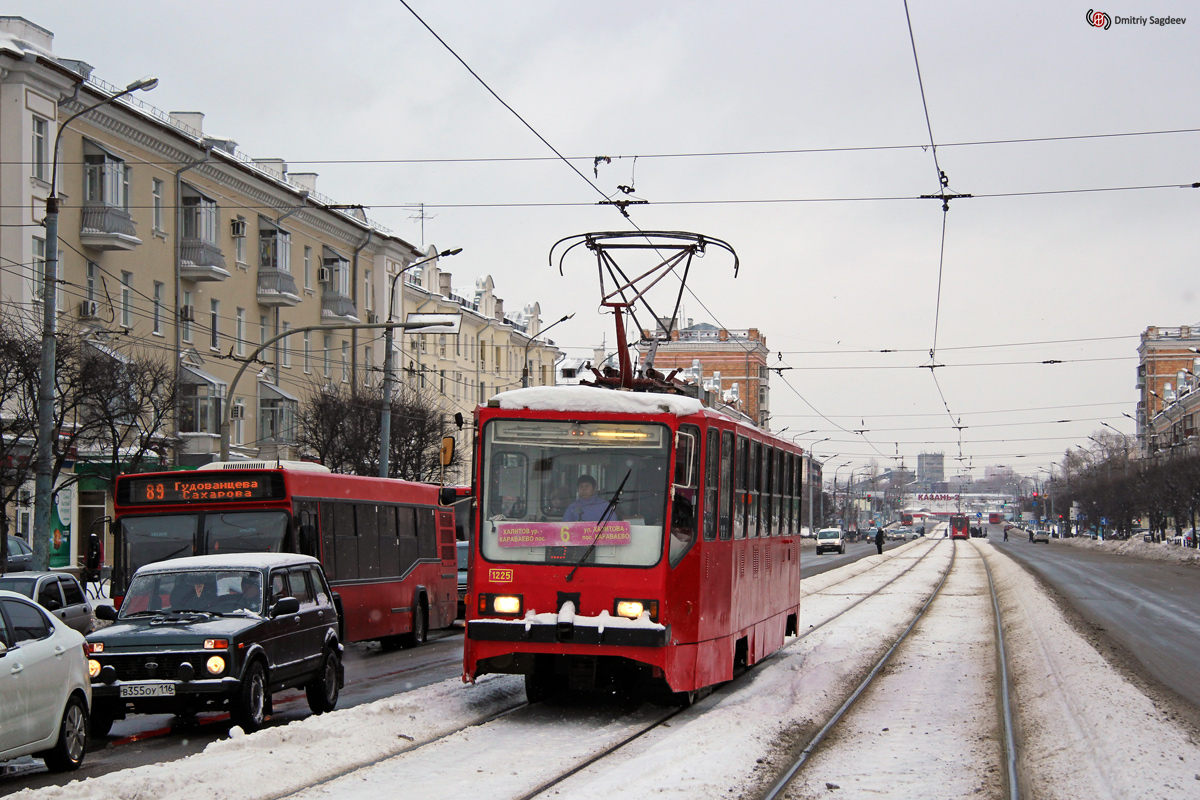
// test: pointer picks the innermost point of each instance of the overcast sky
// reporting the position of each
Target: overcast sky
(830, 276)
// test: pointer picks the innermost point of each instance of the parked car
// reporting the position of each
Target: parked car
(464, 551)
(219, 631)
(830, 539)
(57, 592)
(45, 693)
(20, 555)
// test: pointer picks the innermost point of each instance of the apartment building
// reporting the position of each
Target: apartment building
(174, 242)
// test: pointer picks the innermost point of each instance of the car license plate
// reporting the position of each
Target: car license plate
(149, 690)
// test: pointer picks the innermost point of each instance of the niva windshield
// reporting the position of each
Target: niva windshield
(146, 540)
(568, 492)
(198, 591)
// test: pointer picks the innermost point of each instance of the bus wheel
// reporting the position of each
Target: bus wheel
(416, 637)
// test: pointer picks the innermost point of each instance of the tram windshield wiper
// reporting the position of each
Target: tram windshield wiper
(608, 509)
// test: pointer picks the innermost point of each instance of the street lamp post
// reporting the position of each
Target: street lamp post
(44, 474)
(385, 420)
(525, 359)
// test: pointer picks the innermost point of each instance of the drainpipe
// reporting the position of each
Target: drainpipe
(354, 297)
(178, 277)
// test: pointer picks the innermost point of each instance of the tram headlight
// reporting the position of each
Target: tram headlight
(632, 609)
(506, 604)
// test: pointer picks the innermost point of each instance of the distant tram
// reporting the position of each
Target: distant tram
(960, 526)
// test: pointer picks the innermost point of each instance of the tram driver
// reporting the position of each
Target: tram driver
(588, 506)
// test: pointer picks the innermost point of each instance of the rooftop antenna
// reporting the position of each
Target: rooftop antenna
(422, 216)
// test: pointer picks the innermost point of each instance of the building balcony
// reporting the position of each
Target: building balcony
(200, 260)
(106, 227)
(338, 309)
(277, 287)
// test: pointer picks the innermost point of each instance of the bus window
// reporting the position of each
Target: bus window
(389, 543)
(346, 541)
(367, 517)
(426, 534)
(305, 521)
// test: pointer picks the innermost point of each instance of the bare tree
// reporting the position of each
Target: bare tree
(341, 426)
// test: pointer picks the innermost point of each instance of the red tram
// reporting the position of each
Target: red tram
(960, 526)
(629, 539)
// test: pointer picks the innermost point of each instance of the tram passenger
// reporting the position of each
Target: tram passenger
(588, 506)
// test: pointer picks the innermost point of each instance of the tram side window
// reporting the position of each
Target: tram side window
(712, 471)
(785, 479)
(683, 507)
(770, 513)
(742, 467)
(779, 514)
(725, 524)
(368, 540)
(406, 527)
(346, 545)
(801, 500)
(389, 543)
(426, 534)
(752, 514)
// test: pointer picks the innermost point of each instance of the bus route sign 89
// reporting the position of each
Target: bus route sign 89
(204, 489)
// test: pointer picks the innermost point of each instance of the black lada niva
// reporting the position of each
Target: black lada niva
(217, 632)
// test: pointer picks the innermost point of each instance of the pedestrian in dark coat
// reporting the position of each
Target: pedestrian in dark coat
(879, 541)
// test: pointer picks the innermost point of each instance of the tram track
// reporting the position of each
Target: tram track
(786, 785)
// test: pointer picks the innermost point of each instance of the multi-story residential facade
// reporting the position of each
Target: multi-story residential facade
(174, 242)
(1168, 362)
(730, 363)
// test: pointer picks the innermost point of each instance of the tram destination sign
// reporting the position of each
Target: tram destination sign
(212, 487)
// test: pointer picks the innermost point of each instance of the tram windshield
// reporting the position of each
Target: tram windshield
(572, 492)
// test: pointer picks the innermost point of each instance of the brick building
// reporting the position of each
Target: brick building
(1166, 382)
(731, 363)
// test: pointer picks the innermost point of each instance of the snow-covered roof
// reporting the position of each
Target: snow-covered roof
(590, 398)
(230, 561)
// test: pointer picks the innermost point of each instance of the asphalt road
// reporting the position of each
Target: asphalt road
(1149, 609)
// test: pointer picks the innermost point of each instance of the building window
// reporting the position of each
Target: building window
(103, 177)
(158, 305)
(262, 329)
(89, 286)
(307, 267)
(274, 249)
(39, 268)
(345, 362)
(214, 318)
(368, 365)
(339, 272)
(307, 353)
(199, 216)
(40, 149)
(126, 300)
(368, 295)
(156, 191)
(327, 368)
(200, 409)
(277, 419)
(185, 323)
(239, 332)
(286, 354)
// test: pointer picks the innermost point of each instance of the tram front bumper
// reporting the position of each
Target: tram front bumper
(614, 635)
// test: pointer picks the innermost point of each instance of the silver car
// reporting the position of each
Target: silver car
(57, 592)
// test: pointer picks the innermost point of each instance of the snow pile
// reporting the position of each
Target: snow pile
(1085, 730)
(281, 760)
(1136, 548)
(590, 398)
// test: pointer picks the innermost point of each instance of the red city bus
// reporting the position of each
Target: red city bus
(628, 539)
(960, 526)
(993, 517)
(386, 545)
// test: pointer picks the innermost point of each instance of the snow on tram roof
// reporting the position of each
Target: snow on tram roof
(590, 398)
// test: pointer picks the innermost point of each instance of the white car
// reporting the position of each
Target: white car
(45, 690)
(830, 539)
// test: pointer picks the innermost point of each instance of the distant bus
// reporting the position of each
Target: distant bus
(387, 545)
(993, 517)
(906, 518)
